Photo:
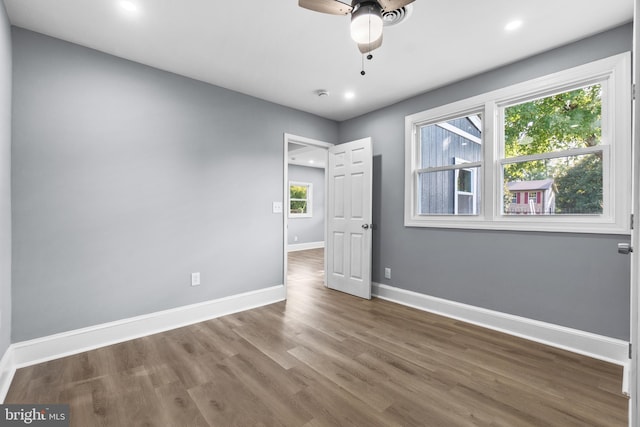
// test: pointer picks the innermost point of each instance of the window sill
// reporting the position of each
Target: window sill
(577, 224)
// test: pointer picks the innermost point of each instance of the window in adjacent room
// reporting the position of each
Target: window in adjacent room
(300, 199)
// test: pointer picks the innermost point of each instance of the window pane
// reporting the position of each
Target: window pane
(453, 192)
(442, 142)
(555, 123)
(561, 186)
(298, 207)
(298, 191)
(464, 180)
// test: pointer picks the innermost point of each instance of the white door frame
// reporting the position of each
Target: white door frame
(285, 196)
(634, 368)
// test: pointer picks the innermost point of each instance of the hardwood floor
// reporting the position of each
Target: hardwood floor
(324, 358)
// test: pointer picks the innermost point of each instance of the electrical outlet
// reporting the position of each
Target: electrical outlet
(387, 273)
(195, 279)
(295, 238)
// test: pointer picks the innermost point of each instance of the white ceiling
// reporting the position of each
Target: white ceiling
(277, 51)
(307, 155)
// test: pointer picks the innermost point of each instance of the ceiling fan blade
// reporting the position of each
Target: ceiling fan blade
(332, 7)
(388, 5)
(368, 47)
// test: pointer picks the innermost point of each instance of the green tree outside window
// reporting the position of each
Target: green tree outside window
(299, 199)
(568, 120)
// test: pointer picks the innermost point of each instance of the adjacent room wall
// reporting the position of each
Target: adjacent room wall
(308, 230)
(588, 285)
(5, 181)
(126, 179)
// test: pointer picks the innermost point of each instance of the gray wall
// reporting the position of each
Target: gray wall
(588, 285)
(5, 181)
(308, 229)
(126, 179)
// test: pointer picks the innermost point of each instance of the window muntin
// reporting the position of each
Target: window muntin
(605, 153)
(300, 199)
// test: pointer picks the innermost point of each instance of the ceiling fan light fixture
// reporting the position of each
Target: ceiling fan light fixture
(366, 22)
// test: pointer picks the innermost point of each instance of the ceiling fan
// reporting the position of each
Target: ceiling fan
(366, 17)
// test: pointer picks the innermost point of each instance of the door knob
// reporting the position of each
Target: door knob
(624, 248)
(365, 226)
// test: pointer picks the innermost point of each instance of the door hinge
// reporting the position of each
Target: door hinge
(633, 91)
(631, 222)
(630, 352)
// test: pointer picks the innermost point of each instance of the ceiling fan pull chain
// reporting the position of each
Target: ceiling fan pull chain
(369, 56)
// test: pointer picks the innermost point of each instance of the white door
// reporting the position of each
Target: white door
(349, 228)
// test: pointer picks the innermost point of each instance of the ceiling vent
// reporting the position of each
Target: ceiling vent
(395, 17)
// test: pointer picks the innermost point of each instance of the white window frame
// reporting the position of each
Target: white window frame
(309, 200)
(614, 73)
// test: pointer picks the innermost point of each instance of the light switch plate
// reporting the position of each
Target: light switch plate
(195, 279)
(277, 207)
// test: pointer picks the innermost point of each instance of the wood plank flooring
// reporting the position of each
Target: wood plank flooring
(324, 358)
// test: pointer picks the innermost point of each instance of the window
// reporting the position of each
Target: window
(554, 143)
(450, 154)
(465, 200)
(551, 154)
(300, 199)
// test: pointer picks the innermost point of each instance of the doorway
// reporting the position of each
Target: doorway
(304, 213)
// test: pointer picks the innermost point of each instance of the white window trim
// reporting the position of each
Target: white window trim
(309, 200)
(615, 72)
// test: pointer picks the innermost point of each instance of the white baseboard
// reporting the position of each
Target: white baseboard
(64, 344)
(6, 373)
(597, 346)
(51, 347)
(626, 377)
(305, 246)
